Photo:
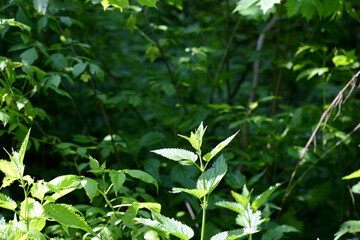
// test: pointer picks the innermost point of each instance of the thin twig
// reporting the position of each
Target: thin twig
(164, 58)
(324, 118)
(216, 78)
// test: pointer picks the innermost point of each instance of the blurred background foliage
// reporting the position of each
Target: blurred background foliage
(117, 83)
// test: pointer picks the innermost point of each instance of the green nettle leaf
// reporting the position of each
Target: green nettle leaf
(6, 202)
(243, 200)
(212, 176)
(199, 193)
(149, 3)
(355, 174)
(58, 195)
(90, 186)
(219, 147)
(8, 169)
(229, 235)
(351, 226)
(41, 5)
(29, 56)
(250, 220)
(233, 206)
(38, 190)
(265, 5)
(244, 4)
(168, 225)
(143, 176)
(115, 3)
(117, 178)
(184, 156)
(66, 216)
(79, 68)
(259, 200)
(31, 208)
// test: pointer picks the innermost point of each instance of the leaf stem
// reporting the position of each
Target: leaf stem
(204, 206)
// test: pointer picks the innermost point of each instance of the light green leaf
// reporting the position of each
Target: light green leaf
(6, 202)
(243, 200)
(115, 3)
(356, 188)
(8, 169)
(219, 147)
(229, 235)
(233, 206)
(156, 207)
(66, 181)
(259, 200)
(311, 72)
(149, 3)
(31, 208)
(355, 174)
(97, 71)
(117, 178)
(351, 226)
(184, 156)
(143, 176)
(29, 56)
(4, 117)
(79, 68)
(66, 216)
(41, 5)
(38, 190)
(199, 193)
(58, 195)
(250, 220)
(151, 235)
(213, 175)
(90, 186)
(265, 5)
(244, 4)
(168, 225)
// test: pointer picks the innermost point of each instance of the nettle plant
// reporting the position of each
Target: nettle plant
(249, 215)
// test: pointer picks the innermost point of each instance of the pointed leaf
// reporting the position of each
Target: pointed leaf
(243, 5)
(265, 5)
(117, 178)
(355, 174)
(168, 225)
(233, 206)
(6, 202)
(199, 193)
(213, 175)
(351, 226)
(229, 235)
(149, 3)
(176, 154)
(156, 207)
(8, 169)
(259, 200)
(219, 147)
(90, 186)
(66, 216)
(143, 176)
(243, 200)
(66, 181)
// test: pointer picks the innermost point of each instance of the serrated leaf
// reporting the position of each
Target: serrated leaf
(213, 175)
(250, 220)
(6, 202)
(243, 200)
(90, 186)
(66, 216)
(143, 176)
(38, 190)
(168, 225)
(229, 235)
(355, 174)
(66, 181)
(117, 178)
(259, 200)
(243, 5)
(199, 193)
(31, 209)
(8, 169)
(233, 206)
(177, 154)
(265, 5)
(219, 147)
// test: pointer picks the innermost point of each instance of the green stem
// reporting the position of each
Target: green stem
(250, 237)
(204, 206)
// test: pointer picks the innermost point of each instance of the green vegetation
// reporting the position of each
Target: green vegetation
(92, 92)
